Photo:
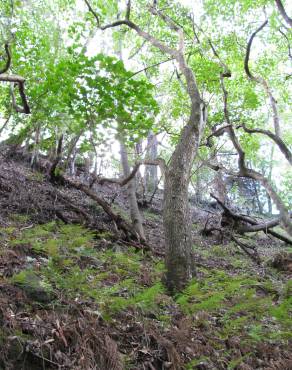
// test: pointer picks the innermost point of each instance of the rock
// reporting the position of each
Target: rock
(282, 261)
(33, 286)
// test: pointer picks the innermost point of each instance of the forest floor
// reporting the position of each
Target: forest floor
(73, 295)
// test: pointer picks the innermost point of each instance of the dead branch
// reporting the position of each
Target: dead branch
(69, 203)
(248, 249)
(5, 124)
(244, 226)
(119, 221)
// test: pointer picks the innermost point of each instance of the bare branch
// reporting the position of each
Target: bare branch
(11, 78)
(122, 182)
(152, 66)
(170, 22)
(155, 42)
(91, 10)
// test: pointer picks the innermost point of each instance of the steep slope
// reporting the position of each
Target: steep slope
(75, 296)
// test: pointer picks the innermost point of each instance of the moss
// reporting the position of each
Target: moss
(197, 362)
(16, 217)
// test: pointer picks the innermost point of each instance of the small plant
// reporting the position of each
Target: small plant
(16, 217)
(36, 176)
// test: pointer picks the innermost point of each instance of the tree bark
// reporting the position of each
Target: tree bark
(136, 217)
(176, 216)
(151, 177)
(36, 147)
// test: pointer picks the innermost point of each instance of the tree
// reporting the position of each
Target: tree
(177, 173)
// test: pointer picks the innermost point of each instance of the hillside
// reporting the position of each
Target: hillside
(75, 296)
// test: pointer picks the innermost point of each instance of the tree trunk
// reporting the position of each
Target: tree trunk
(151, 177)
(259, 203)
(140, 185)
(270, 206)
(35, 156)
(71, 164)
(131, 192)
(176, 217)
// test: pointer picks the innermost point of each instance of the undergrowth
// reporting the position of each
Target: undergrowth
(73, 266)
(241, 304)
(67, 263)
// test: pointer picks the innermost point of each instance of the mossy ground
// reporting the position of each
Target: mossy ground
(226, 318)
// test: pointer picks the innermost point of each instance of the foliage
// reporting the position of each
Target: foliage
(237, 303)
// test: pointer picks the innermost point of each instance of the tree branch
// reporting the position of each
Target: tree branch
(256, 226)
(8, 60)
(248, 49)
(91, 10)
(247, 172)
(282, 11)
(280, 143)
(25, 107)
(128, 11)
(262, 81)
(151, 66)
(122, 182)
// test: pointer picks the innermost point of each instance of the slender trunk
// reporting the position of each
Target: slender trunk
(36, 147)
(220, 186)
(151, 177)
(259, 203)
(71, 165)
(131, 192)
(270, 206)
(135, 214)
(5, 124)
(139, 177)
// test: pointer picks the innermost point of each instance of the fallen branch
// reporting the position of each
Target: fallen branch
(242, 228)
(248, 249)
